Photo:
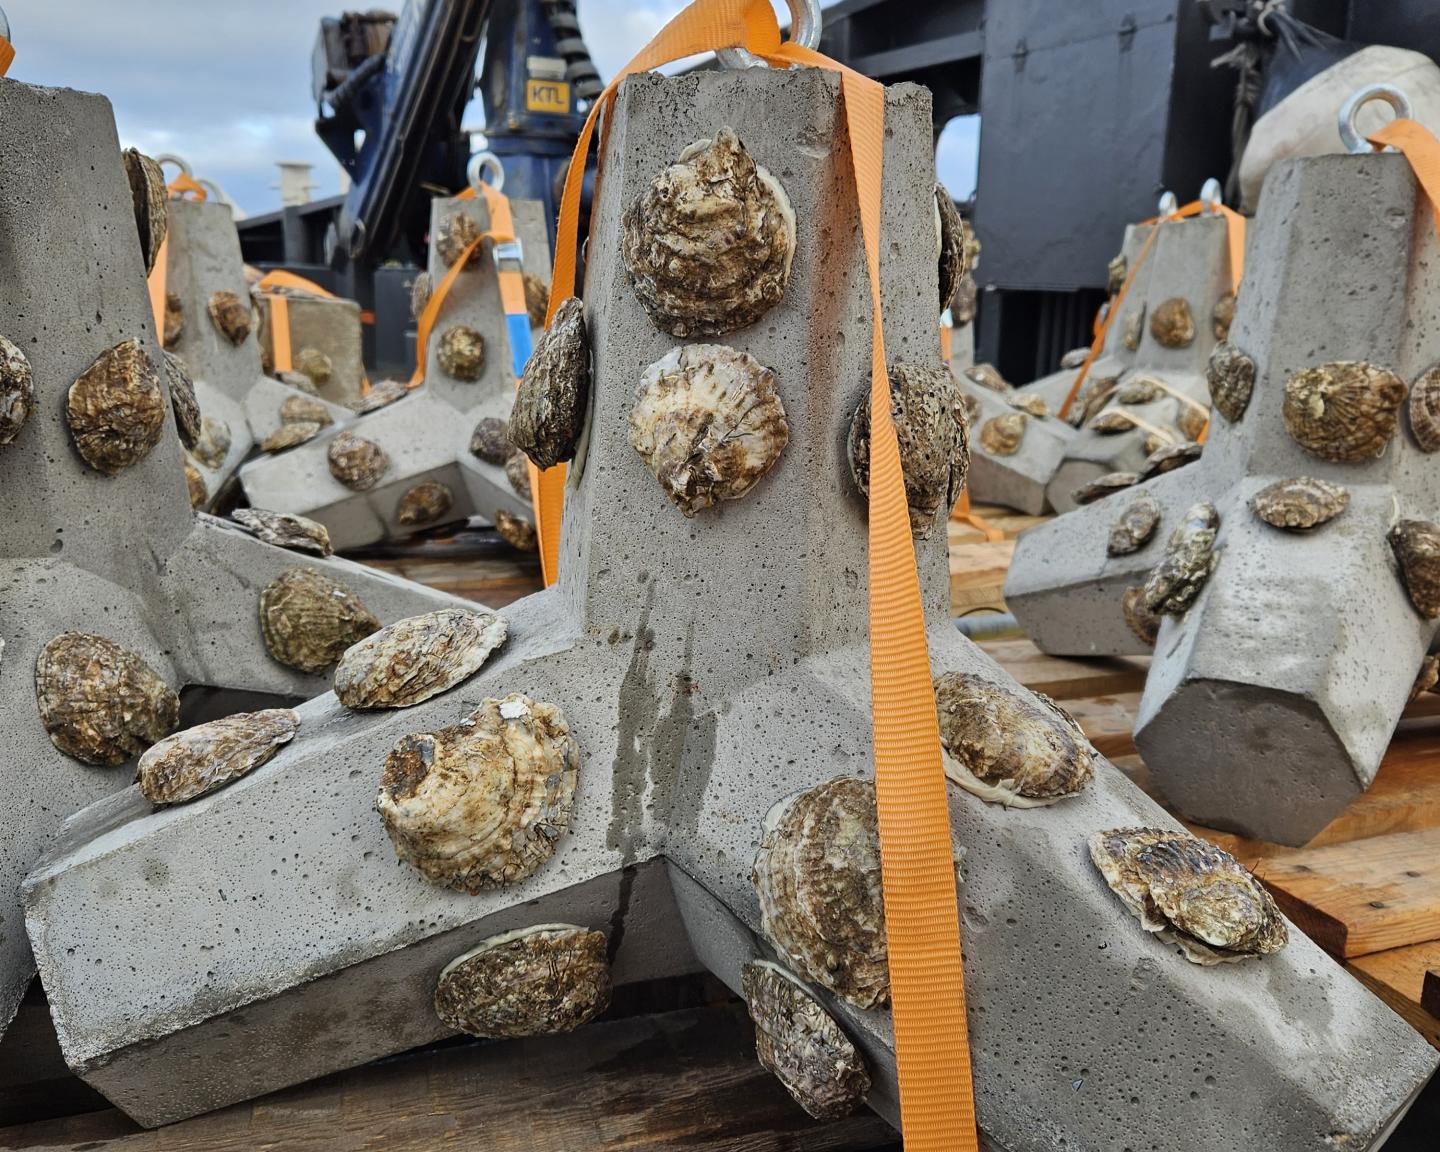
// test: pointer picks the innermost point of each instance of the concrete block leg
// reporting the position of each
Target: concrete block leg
(694, 713)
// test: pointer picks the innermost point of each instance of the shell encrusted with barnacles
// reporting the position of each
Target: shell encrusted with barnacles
(1190, 557)
(208, 756)
(99, 702)
(550, 404)
(307, 620)
(1008, 749)
(1416, 544)
(1345, 411)
(708, 244)
(801, 1044)
(480, 805)
(461, 353)
(17, 391)
(532, 982)
(1190, 893)
(408, 662)
(708, 422)
(930, 428)
(284, 530)
(116, 409)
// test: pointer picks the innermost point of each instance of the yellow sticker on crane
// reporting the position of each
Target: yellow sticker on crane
(547, 96)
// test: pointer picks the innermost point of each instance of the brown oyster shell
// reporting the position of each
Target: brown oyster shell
(1030, 403)
(1138, 618)
(988, 376)
(1424, 410)
(1231, 378)
(1133, 328)
(1138, 390)
(491, 441)
(461, 353)
(1092, 399)
(550, 404)
(516, 531)
(1001, 435)
(963, 307)
(148, 198)
(933, 439)
(214, 443)
(708, 423)
(456, 233)
(1426, 678)
(1134, 527)
(380, 395)
(1189, 559)
(208, 756)
(970, 409)
(230, 315)
(195, 484)
(1169, 457)
(534, 982)
(517, 471)
(313, 363)
(817, 877)
(429, 500)
(174, 319)
(537, 299)
(1153, 442)
(1115, 273)
(1222, 316)
(99, 702)
(182, 399)
(116, 409)
(1006, 747)
(308, 620)
(17, 391)
(356, 462)
(1076, 357)
(479, 805)
(420, 289)
(1191, 421)
(953, 262)
(1343, 411)
(1112, 422)
(801, 1044)
(708, 245)
(1190, 893)
(284, 530)
(1171, 324)
(1300, 502)
(299, 381)
(290, 436)
(305, 410)
(1416, 544)
(1104, 486)
(408, 662)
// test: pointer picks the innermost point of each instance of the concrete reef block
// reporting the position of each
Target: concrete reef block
(330, 327)
(1017, 480)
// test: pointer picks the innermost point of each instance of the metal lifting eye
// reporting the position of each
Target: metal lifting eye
(5, 26)
(805, 25)
(1168, 204)
(482, 163)
(1211, 196)
(1350, 111)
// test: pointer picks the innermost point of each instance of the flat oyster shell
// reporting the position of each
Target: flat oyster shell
(933, 439)
(1230, 375)
(1345, 411)
(550, 404)
(425, 502)
(708, 423)
(1139, 619)
(1001, 435)
(1424, 410)
(1075, 357)
(420, 289)
(408, 662)
(491, 441)
(535, 982)
(953, 256)
(1222, 316)
(1092, 398)
(988, 376)
(1189, 559)
(1111, 422)
(516, 531)
(380, 395)
(708, 245)
(214, 443)
(1426, 678)
(313, 363)
(1107, 484)
(356, 462)
(308, 620)
(1030, 403)
(149, 198)
(971, 410)
(284, 530)
(1300, 502)
(298, 381)
(1192, 421)
(1115, 273)
(1134, 527)
(182, 399)
(195, 484)
(1138, 390)
(99, 702)
(305, 410)
(517, 471)
(1190, 893)
(456, 233)
(208, 756)
(116, 409)
(462, 353)
(1172, 324)
(801, 1044)
(230, 315)
(1168, 457)
(174, 319)
(1133, 328)
(480, 804)
(1416, 544)
(17, 391)
(290, 436)
(1008, 748)
(537, 299)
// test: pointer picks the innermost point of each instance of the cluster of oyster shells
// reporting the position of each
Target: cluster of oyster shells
(116, 409)
(99, 702)
(308, 620)
(201, 759)
(408, 662)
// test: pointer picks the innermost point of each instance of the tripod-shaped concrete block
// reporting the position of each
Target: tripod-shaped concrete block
(1017, 478)
(1271, 701)
(426, 435)
(707, 667)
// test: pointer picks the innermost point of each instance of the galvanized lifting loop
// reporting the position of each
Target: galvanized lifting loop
(5, 26)
(481, 163)
(1168, 205)
(1211, 196)
(1349, 113)
(805, 25)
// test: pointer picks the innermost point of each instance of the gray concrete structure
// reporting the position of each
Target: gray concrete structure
(427, 433)
(1021, 479)
(329, 325)
(1270, 703)
(708, 668)
(122, 556)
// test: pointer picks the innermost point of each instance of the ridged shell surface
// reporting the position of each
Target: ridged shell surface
(1300, 503)
(208, 756)
(1134, 527)
(1345, 411)
(1416, 544)
(356, 462)
(17, 391)
(285, 530)
(408, 662)
(99, 702)
(116, 409)
(550, 404)
(1189, 559)
(308, 620)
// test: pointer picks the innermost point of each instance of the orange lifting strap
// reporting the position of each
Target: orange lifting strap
(7, 55)
(181, 186)
(1422, 150)
(280, 311)
(922, 924)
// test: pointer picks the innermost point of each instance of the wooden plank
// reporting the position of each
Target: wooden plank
(1398, 977)
(977, 576)
(1005, 520)
(1405, 796)
(492, 581)
(1064, 678)
(1108, 721)
(1365, 896)
(1430, 990)
(686, 1079)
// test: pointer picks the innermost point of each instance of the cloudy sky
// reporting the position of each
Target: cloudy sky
(226, 83)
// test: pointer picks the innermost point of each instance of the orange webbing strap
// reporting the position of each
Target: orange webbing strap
(1422, 150)
(156, 284)
(932, 1052)
(185, 187)
(7, 55)
(280, 331)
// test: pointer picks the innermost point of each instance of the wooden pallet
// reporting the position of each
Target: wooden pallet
(978, 565)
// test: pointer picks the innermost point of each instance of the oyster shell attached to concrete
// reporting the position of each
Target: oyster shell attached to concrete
(305, 410)
(313, 363)
(208, 756)
(17, 391)
(1426, 678)
(1168, 457)
(1008, 748)
(516, 531)
(424, 503)
(708, 245)
(1425, 410)
(182, 399)
(817, 876)
(801, 1044)
(420, 289)
(1133, 328)
(174, 318)
(1344, 411)
(1138, 618)
(1189, 559)
(988, 376)
(1299, 503)
(1092, 398)
(933, 439)
(491, 441)
(1189, 893)
(708, 423)
(284, 530)
(1030, 403)
(953, 261)
(462, 353)
(1076, 357)
(550, 404)
(231, 315)
(1134, 527)
(408, 662)
(290, 436)
(1001, 435)
(116, 409)
(537, 299)
(298, 381)
(970, 409)
(308, 620)
(480, 804)
(356, 462)
(1192, 421)
(214, 443)
(1109, 483)
(1115, 273)
(99, 702)
(517, 471)
(1138, 390)
(1171, 323)
(1222, 316)
(1111, 422)
(380, 395)
(456, 233)
(195, 484)
(149, 198)
(534, 982)
(1416, 544)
